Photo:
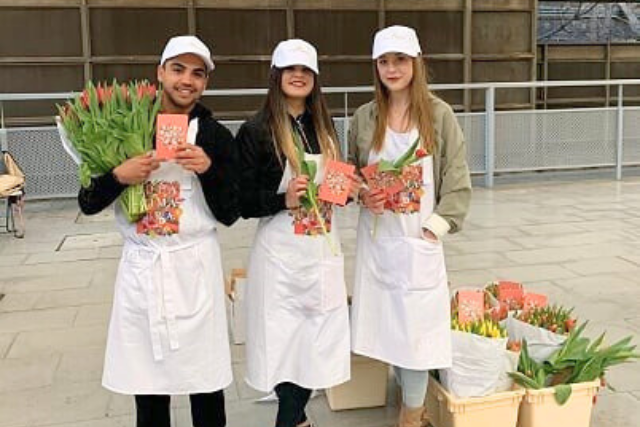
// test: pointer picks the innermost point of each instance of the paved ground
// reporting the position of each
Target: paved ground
(577, 241)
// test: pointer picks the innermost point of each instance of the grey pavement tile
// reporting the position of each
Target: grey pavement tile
(93, 295)
(93, 315)
(487, 245)
(5, 342)
(80, 365)
(617, 410)
(477, 261)
(27, 373)
(57, 341)
(600, 285)
(532, 272)
(603, 264)
(37, 320)
(12, 260)
(19, 302)
(90, 241)
(63, 256)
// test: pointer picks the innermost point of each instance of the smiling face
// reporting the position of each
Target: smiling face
(184, 78)
(297, 82)
(395, 71)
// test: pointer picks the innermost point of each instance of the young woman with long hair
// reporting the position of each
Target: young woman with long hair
(401, 297)
(296, 305)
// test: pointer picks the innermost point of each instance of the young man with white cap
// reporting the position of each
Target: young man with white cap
(168, 329)
(297, 319)
(401, 297)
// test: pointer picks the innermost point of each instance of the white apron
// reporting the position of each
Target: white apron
(296, 306)
(168, 329)
(401, 311)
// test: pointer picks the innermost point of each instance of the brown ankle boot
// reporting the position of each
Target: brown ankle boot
(410, 417)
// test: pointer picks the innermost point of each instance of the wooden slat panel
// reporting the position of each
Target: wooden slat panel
(40, 78)
(32, 32)
(439, 32)
(335, 4)
(577, 52)
(254, 32)
(112, 30)
(424, 5)
(346, 74)
(502, 71)
(503, 32)
(503, 5)
(576, 71)
(138, 3)
(625, 52)
(332, 32)
(124, 72)
(242, 4)
(40, 3)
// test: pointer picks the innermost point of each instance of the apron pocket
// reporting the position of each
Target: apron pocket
(190, 291)
(427, 267)
(405, 263)
(334, 289)
(297, 287)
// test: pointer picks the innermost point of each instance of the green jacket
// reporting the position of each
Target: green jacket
(451, 172)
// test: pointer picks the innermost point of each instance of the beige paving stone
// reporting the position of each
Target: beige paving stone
(616, 410)
(50, 282)
(62, 256)
(27, 373)
(59, 340)
(81, 365)
(18, 302)
(532, 272)
(469, 278)
(488, 245)
(12, 260)
(600, 285)
(5, 342)
(37, 320)
(484, 260)
(94, 315)
(601, 265)
(91, 241)
(544, 229)
(93, 295)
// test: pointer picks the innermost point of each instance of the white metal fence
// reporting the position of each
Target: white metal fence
(498, 141)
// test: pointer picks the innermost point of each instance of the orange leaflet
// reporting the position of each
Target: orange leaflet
(171, 131)
(470, 305)
(387, 181)
(511, 293)
(534, 300)
(337, 182)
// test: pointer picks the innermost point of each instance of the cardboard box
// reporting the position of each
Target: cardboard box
(235, 288)
(366, 389)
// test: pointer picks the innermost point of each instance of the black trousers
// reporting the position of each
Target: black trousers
(292, 399)
(207, 410)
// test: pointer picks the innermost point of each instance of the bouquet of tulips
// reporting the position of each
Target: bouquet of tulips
(556, 319)
(486, 327)
(108, 124)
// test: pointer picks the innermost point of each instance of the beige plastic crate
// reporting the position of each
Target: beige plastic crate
(540, 409)
(496, 410)
(366, 389)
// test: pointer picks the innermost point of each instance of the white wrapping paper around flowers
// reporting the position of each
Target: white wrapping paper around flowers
(66, 144)
(480, 366)
(541, 342)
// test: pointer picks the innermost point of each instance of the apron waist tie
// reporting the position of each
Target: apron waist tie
(162, 291)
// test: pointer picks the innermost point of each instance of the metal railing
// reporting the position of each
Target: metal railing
(498, 141)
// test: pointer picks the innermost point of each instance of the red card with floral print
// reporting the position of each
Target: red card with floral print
(171, 131)
(387, 181)
(336, 185)
(534, 301)
(511, 293)
(470, 305)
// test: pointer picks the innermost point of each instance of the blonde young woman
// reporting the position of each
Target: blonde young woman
(401, 297)
(297, 319)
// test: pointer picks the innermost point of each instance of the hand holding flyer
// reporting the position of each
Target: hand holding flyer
(337, 183)
(171, 132)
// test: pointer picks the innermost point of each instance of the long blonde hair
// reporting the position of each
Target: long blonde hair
(420, 108)
(277, 116)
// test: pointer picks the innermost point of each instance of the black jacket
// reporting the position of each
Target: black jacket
(260, 168)
(219, 182)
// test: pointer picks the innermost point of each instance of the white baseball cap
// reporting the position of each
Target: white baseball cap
(295, 52)
(187, 44)
(396, 38)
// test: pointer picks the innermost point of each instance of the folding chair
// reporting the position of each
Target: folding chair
(12, 182)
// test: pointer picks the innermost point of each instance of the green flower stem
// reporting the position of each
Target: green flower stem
(322, 224)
